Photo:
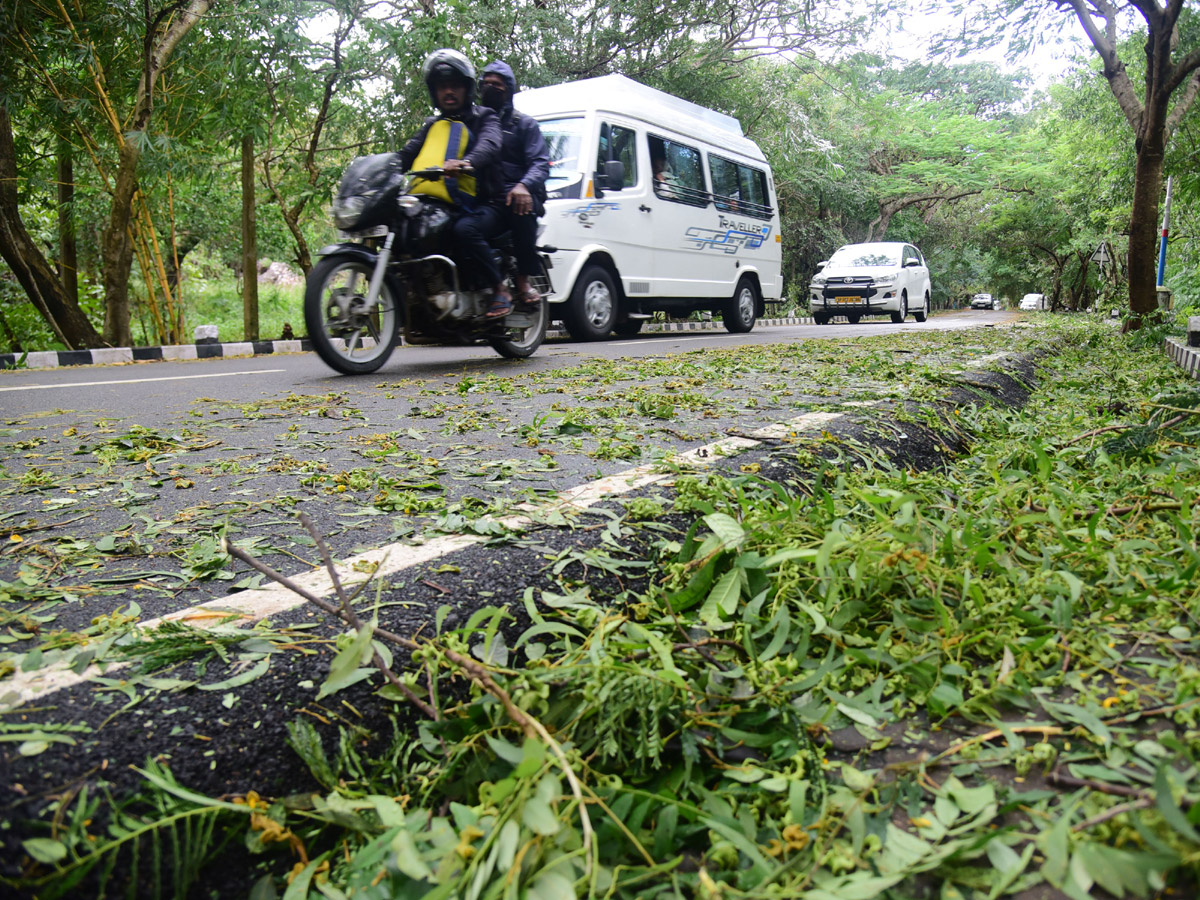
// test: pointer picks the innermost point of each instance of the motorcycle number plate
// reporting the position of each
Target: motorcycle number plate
(377, 231)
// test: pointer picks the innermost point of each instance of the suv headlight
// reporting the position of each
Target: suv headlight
(885, 280)
(818, 280)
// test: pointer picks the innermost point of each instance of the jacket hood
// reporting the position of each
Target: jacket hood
(502, 69)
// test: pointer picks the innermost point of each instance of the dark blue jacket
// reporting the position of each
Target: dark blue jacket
(524, 157)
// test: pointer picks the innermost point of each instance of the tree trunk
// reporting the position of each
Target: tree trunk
(116, 250)
(249, 244)
(1143, 231)
(32, 270)
(68, 257)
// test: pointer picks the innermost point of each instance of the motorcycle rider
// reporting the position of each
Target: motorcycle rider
(525, 164)
(465, 140)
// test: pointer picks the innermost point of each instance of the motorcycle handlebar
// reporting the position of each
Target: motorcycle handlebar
(435, 172)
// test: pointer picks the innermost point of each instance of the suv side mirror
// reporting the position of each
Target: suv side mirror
(822, 264)
(911, 262)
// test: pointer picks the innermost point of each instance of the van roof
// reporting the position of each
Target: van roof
(619, 94)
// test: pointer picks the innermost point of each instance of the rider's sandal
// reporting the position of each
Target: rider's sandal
(500, 307)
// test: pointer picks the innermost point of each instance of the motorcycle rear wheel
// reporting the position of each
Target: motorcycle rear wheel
(347, 335)
(522, 342)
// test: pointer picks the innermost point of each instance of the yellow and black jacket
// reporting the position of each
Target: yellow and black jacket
(474, 136)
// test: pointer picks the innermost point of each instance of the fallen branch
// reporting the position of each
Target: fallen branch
(475, 671)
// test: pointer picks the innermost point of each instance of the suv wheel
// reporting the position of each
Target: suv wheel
(899, 315)
(923, 313)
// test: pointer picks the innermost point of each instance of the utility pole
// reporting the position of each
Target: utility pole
(1164, 295)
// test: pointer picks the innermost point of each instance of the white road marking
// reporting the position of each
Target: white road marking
(42, 387)
(254, 605)
(680, 337)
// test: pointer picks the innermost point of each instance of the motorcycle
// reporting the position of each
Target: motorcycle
(393, 273)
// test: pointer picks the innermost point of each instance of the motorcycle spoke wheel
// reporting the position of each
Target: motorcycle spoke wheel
(347, 334)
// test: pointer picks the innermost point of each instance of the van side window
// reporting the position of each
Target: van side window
(618, 143)
(740, 188)
(678, 174)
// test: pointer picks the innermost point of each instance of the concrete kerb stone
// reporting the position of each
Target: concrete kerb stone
(1188, 357)
(51, 359)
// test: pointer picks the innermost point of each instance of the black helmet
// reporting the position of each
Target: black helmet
(444, 64)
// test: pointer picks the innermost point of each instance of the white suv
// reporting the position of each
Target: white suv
(871, 279)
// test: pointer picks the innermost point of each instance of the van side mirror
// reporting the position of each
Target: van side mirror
(911, 262)
(822, 264)
(613, 176)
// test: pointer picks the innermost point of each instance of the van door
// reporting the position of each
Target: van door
(614, 217)
(687, 261)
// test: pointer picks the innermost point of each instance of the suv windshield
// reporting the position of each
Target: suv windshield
(855, 257)
(563, 138)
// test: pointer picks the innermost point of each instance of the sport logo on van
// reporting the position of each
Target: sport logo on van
(731, 240)
(589, 211)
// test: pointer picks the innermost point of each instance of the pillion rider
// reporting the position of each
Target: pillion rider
(525, 164)
(465, 141)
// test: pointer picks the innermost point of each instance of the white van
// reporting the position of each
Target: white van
(654, 203)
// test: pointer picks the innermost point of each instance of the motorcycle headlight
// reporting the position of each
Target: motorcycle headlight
(347, 210)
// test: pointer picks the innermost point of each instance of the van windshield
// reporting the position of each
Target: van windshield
(563, 138)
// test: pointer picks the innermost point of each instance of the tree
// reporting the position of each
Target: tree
(41, 283)
(1170, 83)
(163, 32)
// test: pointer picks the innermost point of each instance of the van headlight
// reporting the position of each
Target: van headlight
(885, 281)
(818, 281)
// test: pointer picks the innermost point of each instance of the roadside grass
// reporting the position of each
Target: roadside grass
(978, 680)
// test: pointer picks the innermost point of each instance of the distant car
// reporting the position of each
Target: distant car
(982, 301)
(1033, 301)
(871, 279)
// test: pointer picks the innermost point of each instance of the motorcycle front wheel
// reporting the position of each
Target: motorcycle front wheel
(525, 327)
(347, 334)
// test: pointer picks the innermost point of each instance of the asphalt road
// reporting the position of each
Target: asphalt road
(162, 388)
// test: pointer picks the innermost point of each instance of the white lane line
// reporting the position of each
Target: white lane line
(676, 337)
(253, 605)
(42, 387)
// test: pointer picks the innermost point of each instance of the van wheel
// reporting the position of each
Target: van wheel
(741, 309)
(899, 315)
(592, 310)
(629, 327)
(821, 318)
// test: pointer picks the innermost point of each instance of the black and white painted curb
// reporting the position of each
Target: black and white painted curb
(1187, 352)
(52, 359)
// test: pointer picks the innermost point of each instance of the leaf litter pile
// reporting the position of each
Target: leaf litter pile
(850, 680)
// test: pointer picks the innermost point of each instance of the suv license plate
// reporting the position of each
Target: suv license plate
(847, 300)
